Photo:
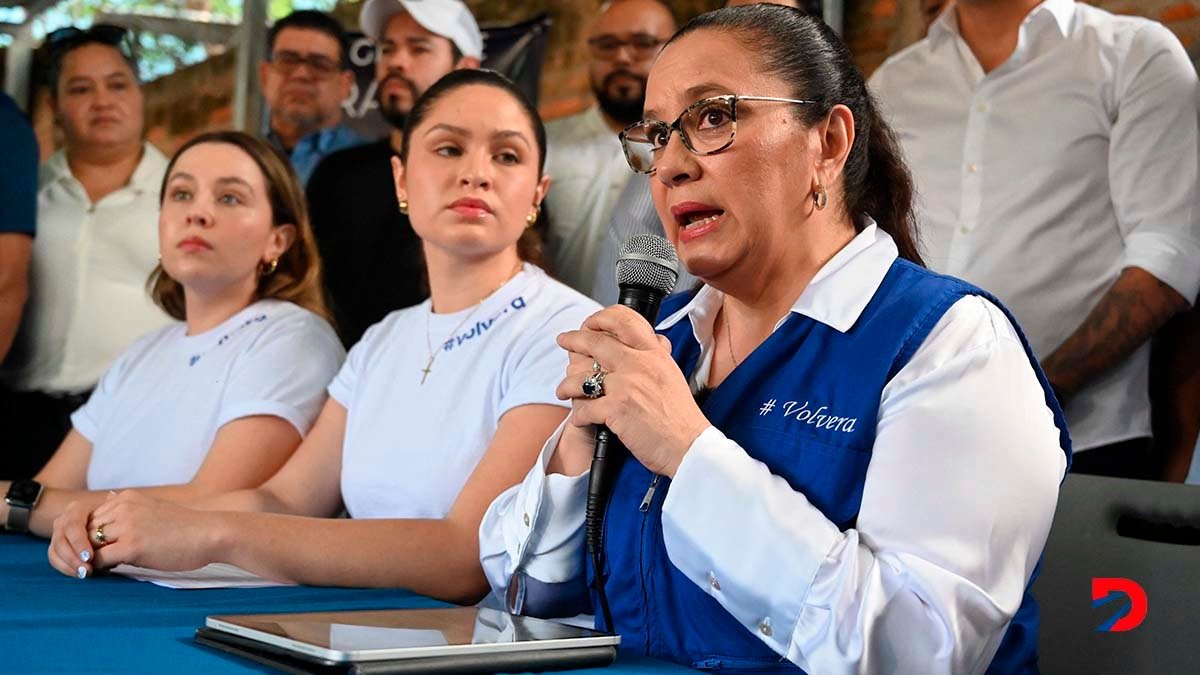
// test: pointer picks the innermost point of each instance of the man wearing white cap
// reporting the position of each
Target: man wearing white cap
(372, 257)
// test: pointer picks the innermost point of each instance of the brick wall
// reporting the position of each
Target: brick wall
(878, 28)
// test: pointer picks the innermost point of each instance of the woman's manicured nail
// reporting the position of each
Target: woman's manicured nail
(85, 556)
(81, 572)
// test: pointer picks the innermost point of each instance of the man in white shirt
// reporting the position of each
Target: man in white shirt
(1055, 151)
(96, 246)
(584, 156)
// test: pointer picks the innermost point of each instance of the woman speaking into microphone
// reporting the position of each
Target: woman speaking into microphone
(840, 461)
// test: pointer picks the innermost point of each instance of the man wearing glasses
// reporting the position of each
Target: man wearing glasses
(305, 80)
(584, 156)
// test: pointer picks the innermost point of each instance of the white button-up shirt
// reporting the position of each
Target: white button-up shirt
(1041, 180)
(87, 287)
(956, 506)
(588, 171)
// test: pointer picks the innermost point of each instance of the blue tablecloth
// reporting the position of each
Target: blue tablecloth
(50, 623)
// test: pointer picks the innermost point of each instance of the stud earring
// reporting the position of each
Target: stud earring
(533, 216)
(404, 206)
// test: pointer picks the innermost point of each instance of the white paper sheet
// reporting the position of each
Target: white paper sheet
(216, 575)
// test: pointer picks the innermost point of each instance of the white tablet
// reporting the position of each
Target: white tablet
(387, 635)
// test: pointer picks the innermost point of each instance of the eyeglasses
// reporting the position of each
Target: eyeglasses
(643, 45)
(706, 127)
(287, 62)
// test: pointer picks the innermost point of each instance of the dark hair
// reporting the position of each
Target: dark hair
(529, 246)
(297, 275)
(63, 41)
(813, 60)
(321, 22)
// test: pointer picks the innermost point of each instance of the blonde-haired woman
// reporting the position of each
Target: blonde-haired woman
(222, 399)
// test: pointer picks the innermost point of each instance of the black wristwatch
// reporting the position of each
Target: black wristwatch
(22, 496)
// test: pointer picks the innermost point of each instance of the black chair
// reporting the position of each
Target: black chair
(1145, 531)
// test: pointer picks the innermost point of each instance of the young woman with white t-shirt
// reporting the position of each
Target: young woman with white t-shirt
(220, 400)
(439, 408)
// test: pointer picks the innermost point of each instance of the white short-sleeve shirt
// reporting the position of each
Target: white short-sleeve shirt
(156, 412)
(410, 447)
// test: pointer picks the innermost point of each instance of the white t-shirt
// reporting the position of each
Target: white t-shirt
(410, 447)
(156, 412)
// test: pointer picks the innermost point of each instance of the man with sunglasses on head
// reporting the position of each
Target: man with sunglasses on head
(305, 79)
(372, 257)
(96, 244)
(584, 156)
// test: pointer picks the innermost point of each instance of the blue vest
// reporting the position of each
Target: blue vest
(820, 443)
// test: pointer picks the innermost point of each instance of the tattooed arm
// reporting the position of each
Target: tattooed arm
(1130, 312)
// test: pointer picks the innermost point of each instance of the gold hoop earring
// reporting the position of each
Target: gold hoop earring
(533, 216)
(404, 206)
(269, 268)
(820, 198)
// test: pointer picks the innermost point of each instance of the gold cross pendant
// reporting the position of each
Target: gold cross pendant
(428, 367)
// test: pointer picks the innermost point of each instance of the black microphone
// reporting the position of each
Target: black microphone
(647, 269)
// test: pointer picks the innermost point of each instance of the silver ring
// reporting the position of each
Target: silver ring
(593, 386)
(595, 367)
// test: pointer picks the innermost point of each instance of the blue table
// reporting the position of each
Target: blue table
(53, 623)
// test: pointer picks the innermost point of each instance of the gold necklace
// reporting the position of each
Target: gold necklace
(433, 353)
